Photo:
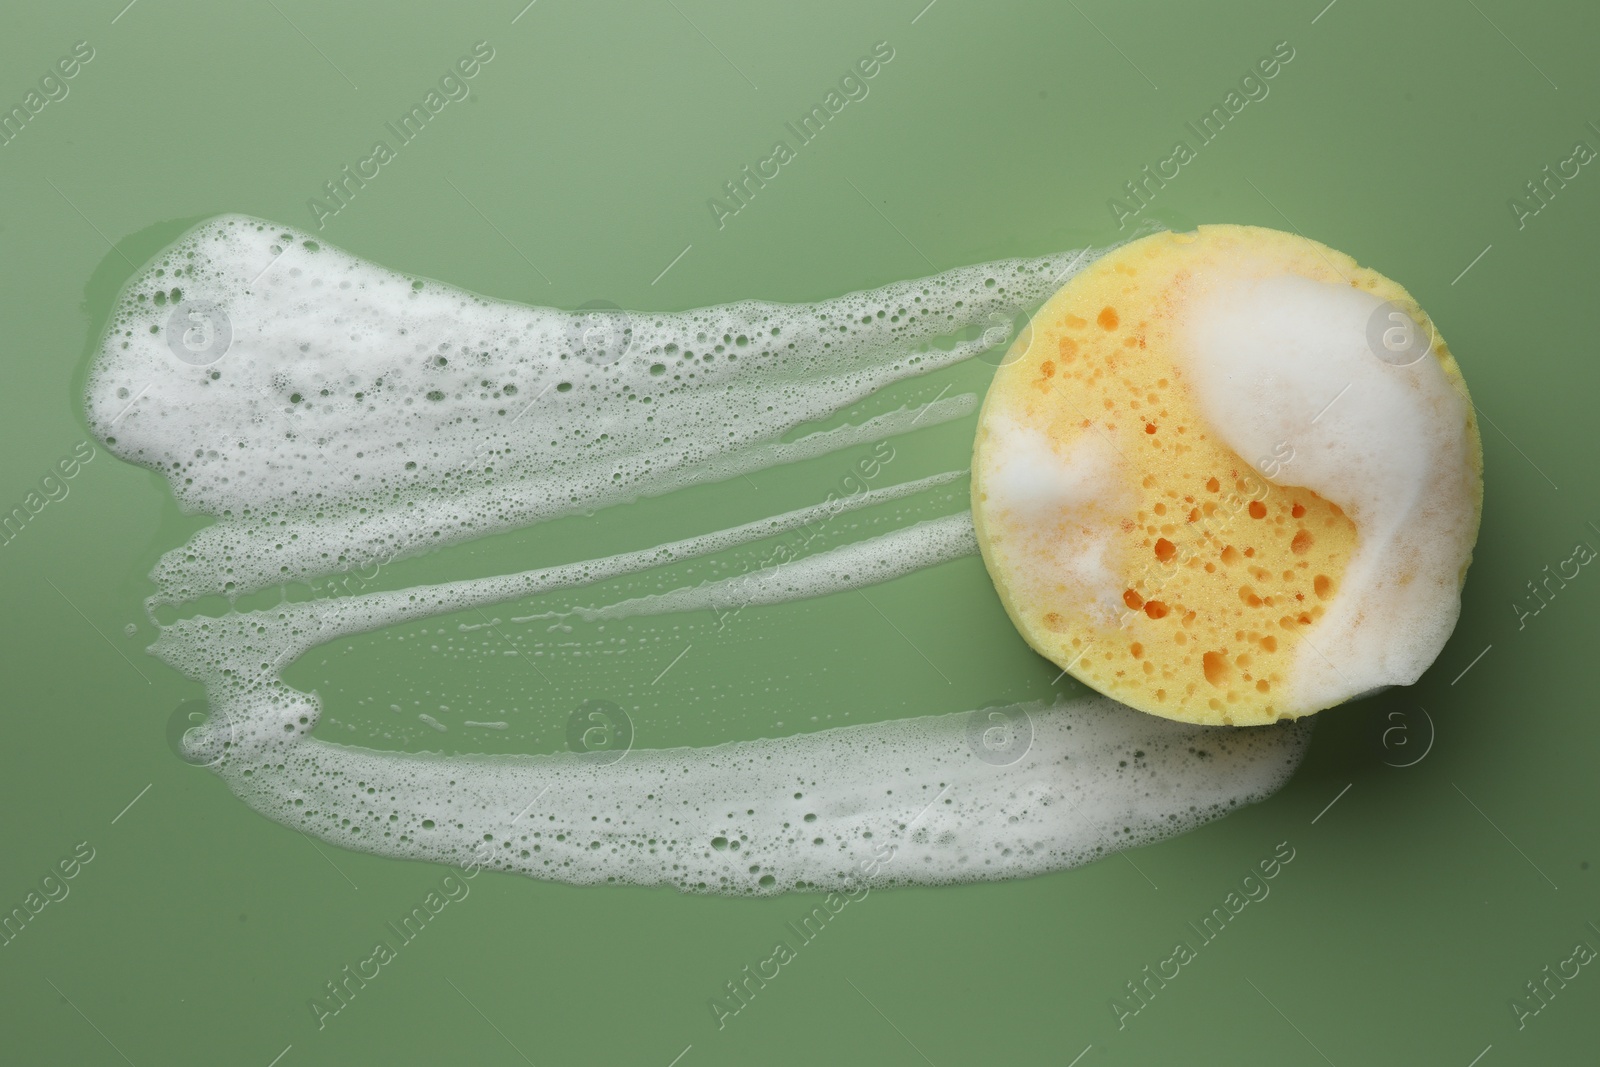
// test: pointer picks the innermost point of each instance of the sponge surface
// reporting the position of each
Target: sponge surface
(1230, 477)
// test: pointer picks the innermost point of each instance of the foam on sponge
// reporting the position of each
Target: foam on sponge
(1230, 477)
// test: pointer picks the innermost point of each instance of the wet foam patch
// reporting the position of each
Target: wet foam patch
(332, 412)
(1278, 359)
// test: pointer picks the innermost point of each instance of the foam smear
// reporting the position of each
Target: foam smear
(837, 570)
(358, 413)
(220, 651)
(995, 793)
(802, 811)
(1287, 359)
(1026, 475)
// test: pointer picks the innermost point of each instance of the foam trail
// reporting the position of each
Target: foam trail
(869, 562)
(757, 817)
(293, 628)
(253, 564)
(997, 793)
(355, 413)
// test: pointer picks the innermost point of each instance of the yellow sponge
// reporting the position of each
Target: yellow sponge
(1134, 548)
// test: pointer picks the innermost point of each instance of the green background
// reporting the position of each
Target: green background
(1417, 906)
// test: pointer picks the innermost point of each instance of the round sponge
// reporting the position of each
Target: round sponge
(1230, 477)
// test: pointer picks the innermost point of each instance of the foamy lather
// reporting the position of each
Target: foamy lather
(343, 375)
(360, 413)
(1282, 358)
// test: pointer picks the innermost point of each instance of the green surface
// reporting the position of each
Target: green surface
(1407, 922)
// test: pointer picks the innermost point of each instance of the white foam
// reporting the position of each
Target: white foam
(1027, 475)
(1284, 358)
(1056, 507)
(300, 439)
(1067, 785)
(360, 414)
(893, 555)
(768, 815)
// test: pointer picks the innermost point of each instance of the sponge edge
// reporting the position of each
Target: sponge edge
(1230, 477)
